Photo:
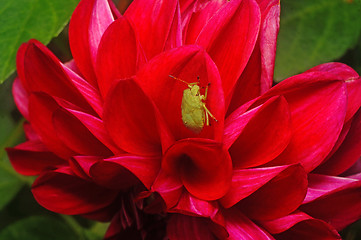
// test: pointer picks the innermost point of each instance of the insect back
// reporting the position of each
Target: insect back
(194, 110)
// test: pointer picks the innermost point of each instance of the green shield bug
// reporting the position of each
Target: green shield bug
(194, 110)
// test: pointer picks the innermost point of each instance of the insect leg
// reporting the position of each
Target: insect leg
(208, 112)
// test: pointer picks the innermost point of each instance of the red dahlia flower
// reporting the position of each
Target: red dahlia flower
(121, 133)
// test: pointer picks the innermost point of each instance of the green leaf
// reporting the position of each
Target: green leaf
(313, 32)
(10, 184)
(38, 228)
(22, 20)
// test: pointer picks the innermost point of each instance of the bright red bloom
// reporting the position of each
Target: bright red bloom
(108, 140)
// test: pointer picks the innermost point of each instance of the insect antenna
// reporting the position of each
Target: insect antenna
(178, 79)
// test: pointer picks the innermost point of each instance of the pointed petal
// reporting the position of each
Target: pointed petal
(76, 136)
(111, 170)
(278, 197)
(203, 165)
(62, 192)
(347, 154)
(32, 157)
(152, 20)
(241, 227)
(316, 124)
(185, 63)
(132, 120)
(87, 25)
(247, 181)
(269, 129)
(299, 226)
(45, 73)
(229, 37)
(335, 200)
(257, 77)
(117, 54)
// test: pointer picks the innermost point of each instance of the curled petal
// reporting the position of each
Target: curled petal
(87, 25)
(299, 225)
(204, 167)
(112, 172)
(186, 63)
(169, 188)
(62, 192)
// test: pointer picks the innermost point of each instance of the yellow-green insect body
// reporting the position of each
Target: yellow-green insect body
(194, 111)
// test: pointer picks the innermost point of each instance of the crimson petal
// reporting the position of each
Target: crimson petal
(32, 157)
(204, 166)
(152, 20)
(193, 206)
(133, 121)
(117, 54)
(247, 181)
(42, 71)
(87, 25)
(241, 227)
(348, 153)
(316, 123)
(76, 136)
(269, 129)
(97, 128)
(335, 200)
(169, 188)
(62, 192)
(144, 168)
(41, 109)
(21, 97)
(182, 227)
(300, 226)
(278, 197)
(229, 37)
(341, 71)
(186, 63)
(257, 77)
